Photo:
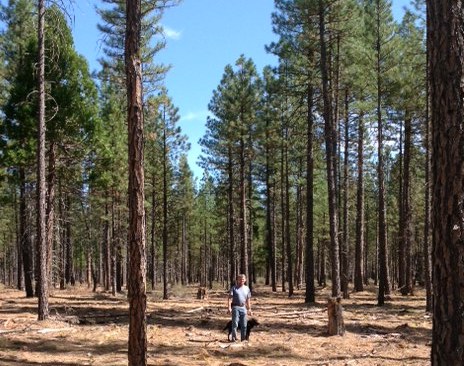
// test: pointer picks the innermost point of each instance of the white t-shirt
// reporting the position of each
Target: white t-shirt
(240, 295)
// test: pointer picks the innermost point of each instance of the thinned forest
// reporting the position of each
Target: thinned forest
(329, 175)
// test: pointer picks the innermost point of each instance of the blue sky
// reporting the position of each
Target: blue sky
(203, 36)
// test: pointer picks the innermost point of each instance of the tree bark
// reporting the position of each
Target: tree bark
(50, 209)
(384, 282)
(407, 207)
(25, 236)
(231, 217)
(360, 237)
(344, 247)
(270, 239)
(153, 234)
(310, 294)
(137, 345)
(446, 47)
(330, 143)
(42, 285)
(243, 213)
(165, 210)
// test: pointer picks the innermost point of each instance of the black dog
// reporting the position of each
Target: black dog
(251, 323)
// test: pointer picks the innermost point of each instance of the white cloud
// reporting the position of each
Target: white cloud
(171, 33)
(194, 116)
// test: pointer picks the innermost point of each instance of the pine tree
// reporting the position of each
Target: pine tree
(137, 347)
(445, 47)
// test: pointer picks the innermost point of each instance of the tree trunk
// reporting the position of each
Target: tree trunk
(287, 218)
(270, 237)
(107, 246)
(42, 285)
(446, 47)
(50, 209)
(299, 227)
(310, 295)
(153, 233)
(335, 312)
(344, 243)
(407, 209)
(251, 267)
(69, 274)
(25, 236)
(359, 268)
(165, 210)
(401, 226)
(428, 211)
(330, 142)
(19, 256)
(282, 216)
(384, 283)
(137, 347)
(243, 214)
(184, 250)
(231, 217)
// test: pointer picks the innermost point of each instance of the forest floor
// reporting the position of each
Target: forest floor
(88, 328)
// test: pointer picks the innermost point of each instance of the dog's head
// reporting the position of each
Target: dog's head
(253, 322)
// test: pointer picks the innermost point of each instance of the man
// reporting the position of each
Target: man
(238, 302)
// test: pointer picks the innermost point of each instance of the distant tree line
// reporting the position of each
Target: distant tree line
(316, 170)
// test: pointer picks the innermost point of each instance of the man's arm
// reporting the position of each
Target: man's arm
(248, 305)
(229, 303)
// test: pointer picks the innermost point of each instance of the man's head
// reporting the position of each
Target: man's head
(241, 279)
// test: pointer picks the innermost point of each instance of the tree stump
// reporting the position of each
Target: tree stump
(335, 311)
(202, 293)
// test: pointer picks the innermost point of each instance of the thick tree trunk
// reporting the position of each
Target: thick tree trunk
(137, 347)
(446, 49)
(427, 213)
(42, 283)
(336, 324)
(428, 189)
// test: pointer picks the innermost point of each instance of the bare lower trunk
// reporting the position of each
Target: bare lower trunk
(446, 47)
(137, 345)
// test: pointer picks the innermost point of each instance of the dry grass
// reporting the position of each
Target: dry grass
(91, 329)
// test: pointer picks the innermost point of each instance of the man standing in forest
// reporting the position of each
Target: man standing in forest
(238, 302)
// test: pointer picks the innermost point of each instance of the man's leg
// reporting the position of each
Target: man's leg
(235, 320)
(243, 324)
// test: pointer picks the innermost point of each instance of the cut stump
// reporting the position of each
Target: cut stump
(335, 312)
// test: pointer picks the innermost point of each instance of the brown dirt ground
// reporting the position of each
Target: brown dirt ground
(92, 328)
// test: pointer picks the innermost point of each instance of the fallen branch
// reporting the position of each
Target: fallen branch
(195, 310)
